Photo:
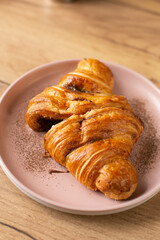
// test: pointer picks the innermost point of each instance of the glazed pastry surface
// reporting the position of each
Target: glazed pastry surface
(97, 131)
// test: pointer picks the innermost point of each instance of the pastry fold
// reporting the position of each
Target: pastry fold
(88, 87)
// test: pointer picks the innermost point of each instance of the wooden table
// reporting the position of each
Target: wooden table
(33, 32)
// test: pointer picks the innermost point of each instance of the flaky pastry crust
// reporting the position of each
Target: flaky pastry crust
(97, 131)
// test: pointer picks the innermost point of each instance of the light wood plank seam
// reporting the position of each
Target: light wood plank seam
(18, 230)
(5, 83)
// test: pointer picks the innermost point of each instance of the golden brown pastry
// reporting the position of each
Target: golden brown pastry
(89, 76)
(95, 148)
(88, 87)
(97, 136)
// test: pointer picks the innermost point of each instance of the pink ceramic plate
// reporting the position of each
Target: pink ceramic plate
(41, 178)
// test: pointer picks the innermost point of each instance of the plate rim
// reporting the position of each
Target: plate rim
(63, 207)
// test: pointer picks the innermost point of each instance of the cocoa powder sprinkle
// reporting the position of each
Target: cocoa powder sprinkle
(28, 144)
(147, 148)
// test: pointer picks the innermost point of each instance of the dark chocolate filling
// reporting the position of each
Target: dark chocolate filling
(76, 88)
(47, 123)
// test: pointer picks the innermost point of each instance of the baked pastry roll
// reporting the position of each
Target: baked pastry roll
(98, 131)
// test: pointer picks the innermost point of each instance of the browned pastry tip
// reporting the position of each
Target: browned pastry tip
(117, 180)
(97, 70)
(103, 166)
(90, 75)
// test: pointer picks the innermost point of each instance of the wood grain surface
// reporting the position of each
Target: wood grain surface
(33, 32)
